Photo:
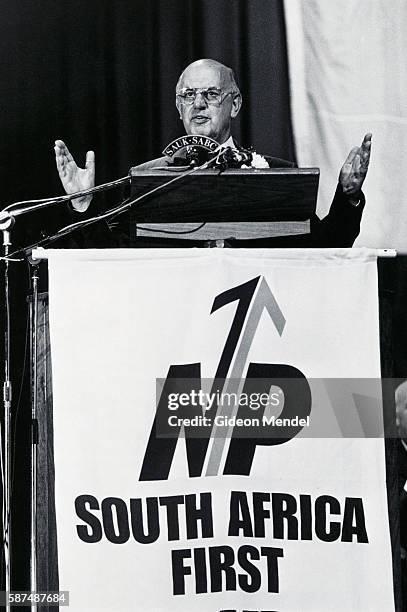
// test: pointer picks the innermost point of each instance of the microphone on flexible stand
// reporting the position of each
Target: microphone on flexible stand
(234, 158)
(229, 157)
(191, 156)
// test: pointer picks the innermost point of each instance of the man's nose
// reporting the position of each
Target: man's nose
(200, 100)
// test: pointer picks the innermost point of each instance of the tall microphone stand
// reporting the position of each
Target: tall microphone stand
(34, 424)
(5, 227)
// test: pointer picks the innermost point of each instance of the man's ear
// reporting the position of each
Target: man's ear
(178, 105)
(236, 104)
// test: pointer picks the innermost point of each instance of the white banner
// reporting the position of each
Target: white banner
(216, 523)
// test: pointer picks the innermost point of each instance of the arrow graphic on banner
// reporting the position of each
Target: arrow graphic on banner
(262, 299)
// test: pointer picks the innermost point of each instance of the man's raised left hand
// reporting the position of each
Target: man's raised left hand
(354, 170)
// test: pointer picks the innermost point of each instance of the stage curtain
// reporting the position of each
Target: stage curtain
(348, 74)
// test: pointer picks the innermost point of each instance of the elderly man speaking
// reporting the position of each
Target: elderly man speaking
(207, 99)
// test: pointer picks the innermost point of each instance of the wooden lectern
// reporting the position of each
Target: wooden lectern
(212, 204)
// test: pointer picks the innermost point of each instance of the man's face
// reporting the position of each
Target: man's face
(208, 119)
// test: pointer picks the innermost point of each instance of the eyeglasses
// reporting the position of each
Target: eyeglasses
(212, 96)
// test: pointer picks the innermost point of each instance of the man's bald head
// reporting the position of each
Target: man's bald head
(204, 117)
(226, 74)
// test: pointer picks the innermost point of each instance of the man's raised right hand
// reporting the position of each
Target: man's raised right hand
(75, 179)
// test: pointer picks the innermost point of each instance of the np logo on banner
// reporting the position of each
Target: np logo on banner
(204, 450)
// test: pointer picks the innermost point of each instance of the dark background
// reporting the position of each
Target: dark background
(101, 75)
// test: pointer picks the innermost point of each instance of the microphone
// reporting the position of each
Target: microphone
(191, 156)
(234, 158)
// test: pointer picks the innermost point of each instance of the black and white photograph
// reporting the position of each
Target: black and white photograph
(203, 305)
